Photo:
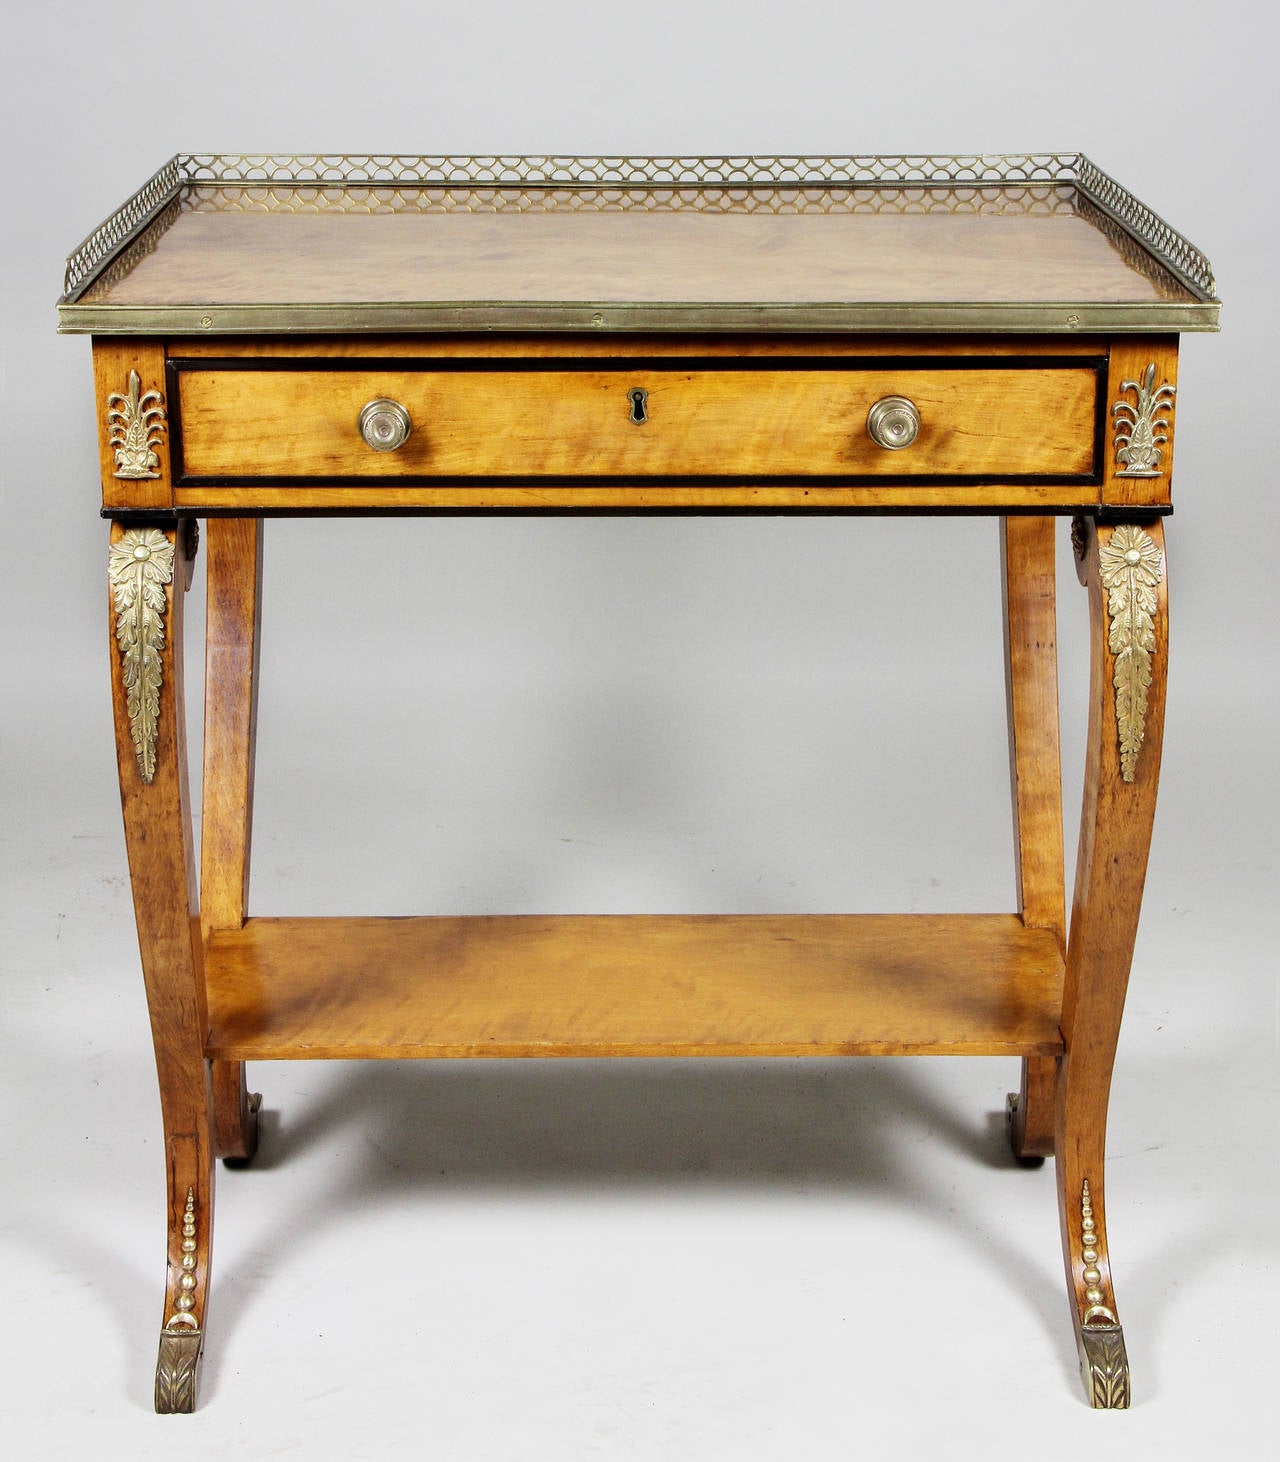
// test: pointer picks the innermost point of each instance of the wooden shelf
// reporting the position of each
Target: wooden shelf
(611, 985)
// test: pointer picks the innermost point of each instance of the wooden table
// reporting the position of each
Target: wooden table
(453, 335)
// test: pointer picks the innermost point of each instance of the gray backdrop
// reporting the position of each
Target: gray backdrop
(592, 715)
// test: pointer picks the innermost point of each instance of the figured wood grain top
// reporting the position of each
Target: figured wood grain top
(634, 257)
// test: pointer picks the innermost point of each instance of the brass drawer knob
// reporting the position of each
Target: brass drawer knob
(893, 423)
(385, 425)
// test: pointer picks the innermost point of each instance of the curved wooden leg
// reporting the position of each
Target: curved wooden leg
(148, 571)
(235, 1113)
(1030, 1111)
(233, 562)
(1035, 769)
(1123, 568)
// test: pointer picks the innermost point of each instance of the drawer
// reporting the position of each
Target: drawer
(513, 421)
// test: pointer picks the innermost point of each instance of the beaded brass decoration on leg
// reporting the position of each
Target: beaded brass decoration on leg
(181, 1340)
(1104, 1362)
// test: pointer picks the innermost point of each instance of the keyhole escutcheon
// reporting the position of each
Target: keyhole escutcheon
(639, 411)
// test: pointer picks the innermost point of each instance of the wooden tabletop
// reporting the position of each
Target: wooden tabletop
(234, 248)
(212, 246)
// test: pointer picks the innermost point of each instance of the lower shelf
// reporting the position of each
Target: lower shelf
(614, 985)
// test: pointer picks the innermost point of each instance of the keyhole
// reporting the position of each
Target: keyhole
(639, 413)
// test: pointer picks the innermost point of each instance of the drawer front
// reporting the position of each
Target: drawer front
(687, 422)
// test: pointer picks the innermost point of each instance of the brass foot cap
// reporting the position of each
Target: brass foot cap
(178, 1370)
(1104, 1367)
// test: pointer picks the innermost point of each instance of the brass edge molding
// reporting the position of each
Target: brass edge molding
(979, 318)
(136, 426)
(1140, 428)
(140, 564)
(1131, 568)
